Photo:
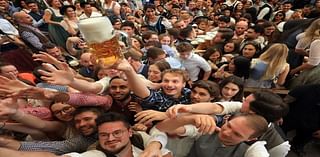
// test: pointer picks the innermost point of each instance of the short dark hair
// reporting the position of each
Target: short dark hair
(49, 46)
(257, 28)
(153, 44)
(148, 34)
(128, 24)
(211, 87)
(96, 110)
(112, 117)
(162, 65)
(223, 18)
(31, 1)
(83, 4)
(184, 47)
(63, 9)
(227, 33)
(185, 32)
(269, 105)
(151, 6)
(154, 52)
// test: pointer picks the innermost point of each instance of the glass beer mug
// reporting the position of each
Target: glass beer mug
(102, 40)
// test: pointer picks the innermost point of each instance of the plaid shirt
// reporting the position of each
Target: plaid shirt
(159, 101)
(77, 144)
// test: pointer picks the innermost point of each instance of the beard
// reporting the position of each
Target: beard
(112, 152)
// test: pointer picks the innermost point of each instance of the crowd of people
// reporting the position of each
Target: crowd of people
(180, 88)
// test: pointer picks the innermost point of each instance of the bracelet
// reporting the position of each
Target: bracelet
(4, 124)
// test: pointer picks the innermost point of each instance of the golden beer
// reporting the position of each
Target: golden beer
(101, 39)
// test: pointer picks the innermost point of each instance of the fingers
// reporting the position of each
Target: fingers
(49, 67)
(144, 116)
(3, 80)
(172, 112)
(205, 124)
(148, 116)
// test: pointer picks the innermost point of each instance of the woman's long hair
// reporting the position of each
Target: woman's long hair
(275, 56)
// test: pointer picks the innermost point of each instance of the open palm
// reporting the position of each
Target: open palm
(52, 75)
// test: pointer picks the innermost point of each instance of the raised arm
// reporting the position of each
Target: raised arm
(65, 76)
(137, 85)
(18, 127)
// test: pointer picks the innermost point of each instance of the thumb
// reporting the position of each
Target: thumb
(217, 129)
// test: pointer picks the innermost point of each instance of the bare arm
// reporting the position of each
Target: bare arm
(14, 153)
(205, 123)
(37, 123)
(283, 75)
(67, 26)
(201, 108)
(206, 75)
(18, 127)
(47, 18)
(137, 85)
(304, 66)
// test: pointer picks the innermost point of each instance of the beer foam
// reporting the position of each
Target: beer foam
(96, 29)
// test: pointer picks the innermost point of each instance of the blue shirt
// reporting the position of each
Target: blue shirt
(158, 100)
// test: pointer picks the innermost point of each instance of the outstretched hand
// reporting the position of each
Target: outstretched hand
(8, 107)
(148, 116)
(45, 57)
(206, 124)
(37, 93)
(9, 87)
(61, 76)
(173, 111)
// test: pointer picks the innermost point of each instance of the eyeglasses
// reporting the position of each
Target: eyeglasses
(66, 109)
(115, 134)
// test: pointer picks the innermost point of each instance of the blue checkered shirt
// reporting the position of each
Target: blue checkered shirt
(158, 100)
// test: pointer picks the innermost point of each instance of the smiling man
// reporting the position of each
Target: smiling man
(116, 138)
(173, 91)
(84, 119)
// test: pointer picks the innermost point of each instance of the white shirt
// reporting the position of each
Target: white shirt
(193, 64)
(93, 14)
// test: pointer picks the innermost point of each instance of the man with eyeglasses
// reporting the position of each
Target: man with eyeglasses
(116, 138)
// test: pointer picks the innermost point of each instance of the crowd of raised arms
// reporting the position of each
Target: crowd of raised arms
(197, 78)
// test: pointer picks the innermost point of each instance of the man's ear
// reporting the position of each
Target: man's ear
(130, 132)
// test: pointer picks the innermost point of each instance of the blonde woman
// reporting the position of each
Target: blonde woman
(270, 69)
(309, 45)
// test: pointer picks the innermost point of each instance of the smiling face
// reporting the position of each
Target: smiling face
(172, 84)
(154, 73)
(70, 12)
(215, 56)
(85, 122)
(165, 40)
(114, 136)
(62, 111)
(119, 89)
